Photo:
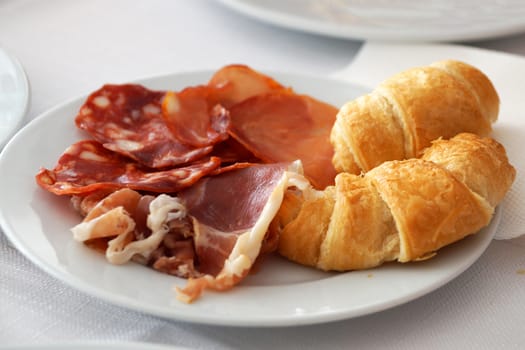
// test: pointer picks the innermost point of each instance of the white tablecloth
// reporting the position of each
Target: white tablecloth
(70, 48)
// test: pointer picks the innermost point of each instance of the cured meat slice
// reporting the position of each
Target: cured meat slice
(231, 215)
(115, 225)
(231, 151)
(237, 82)
(162, 210)
(195, 117)
(87, 166)
(283, 127)
(128, 119)
(111, 216)
(198, 115)
(211, 233)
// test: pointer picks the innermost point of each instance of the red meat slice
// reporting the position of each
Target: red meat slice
(86, 167)
(127, 119)
(237, 82)
(231, 213)
(195, 117)
(283, 127)
(198, 115)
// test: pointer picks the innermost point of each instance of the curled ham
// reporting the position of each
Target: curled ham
(117, 218)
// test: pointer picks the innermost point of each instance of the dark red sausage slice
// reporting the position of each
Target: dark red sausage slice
(127, 119)
(86, 167)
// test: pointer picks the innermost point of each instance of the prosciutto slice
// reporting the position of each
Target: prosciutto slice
(86, 167)
(127, 119)
(283, 127)
(211, 233)
(231, 214)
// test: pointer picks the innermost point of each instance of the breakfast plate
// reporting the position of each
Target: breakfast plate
(279, 293)
(406, 20)
(14, 96)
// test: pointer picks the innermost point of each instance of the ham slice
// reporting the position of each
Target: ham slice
(283, 127)
(118, 218)
(195, 117)
(236, 83)
(86, 167)
(127, 119)
(198, 115)
(231, 215)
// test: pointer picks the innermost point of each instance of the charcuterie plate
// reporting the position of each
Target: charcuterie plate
(279, 293)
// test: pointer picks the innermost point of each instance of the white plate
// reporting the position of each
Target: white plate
(14, 96)
(280, 294)
(409, 20)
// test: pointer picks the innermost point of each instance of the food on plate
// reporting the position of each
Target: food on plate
(400, 210)
(279, 127)
(87, 166)
(201, 183)
(409, 110)
(182, 181)
(127, 120)
(211, 233)
(198, 115)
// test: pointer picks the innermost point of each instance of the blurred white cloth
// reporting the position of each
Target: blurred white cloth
(72, 47)
(481, 309)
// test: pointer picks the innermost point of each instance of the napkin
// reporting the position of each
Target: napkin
(376, 61)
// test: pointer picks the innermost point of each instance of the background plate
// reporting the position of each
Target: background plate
(408, 20)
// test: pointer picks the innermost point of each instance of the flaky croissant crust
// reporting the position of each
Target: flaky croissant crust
(400, 210)
(409, 110)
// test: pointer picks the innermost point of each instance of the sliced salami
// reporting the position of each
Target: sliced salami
(127, 119)
(87, 166)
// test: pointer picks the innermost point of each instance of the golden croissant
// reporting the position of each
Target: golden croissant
(409, 110)
(401, 210)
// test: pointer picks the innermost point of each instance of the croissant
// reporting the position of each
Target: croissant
(401, 210)
(409, 110)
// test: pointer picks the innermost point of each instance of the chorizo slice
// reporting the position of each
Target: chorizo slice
(87, 166)
(127, 119)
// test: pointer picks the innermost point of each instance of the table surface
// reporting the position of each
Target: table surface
(69, 48)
